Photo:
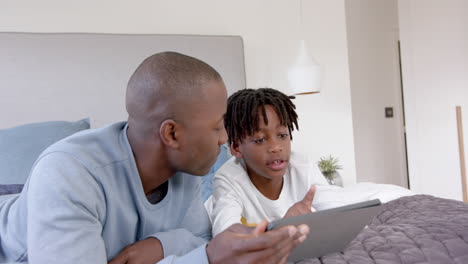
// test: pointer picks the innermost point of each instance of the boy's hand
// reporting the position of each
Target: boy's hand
(304, 206)
(144, 251)
(258, 246)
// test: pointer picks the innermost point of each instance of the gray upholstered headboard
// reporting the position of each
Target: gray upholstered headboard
(70, 76)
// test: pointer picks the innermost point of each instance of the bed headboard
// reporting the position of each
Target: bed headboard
(47, 77)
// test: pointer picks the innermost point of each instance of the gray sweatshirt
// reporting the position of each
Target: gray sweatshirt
(84, 202)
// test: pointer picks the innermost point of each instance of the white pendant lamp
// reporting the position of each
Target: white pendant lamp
(305, 75)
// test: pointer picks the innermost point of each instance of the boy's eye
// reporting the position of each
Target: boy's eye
(284, 135)
(259, 141)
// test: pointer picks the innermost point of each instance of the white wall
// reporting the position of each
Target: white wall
(372, 27)
(271, 33)
(434, 42)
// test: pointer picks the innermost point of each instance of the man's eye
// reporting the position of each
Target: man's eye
(284, 135)
(259, 141)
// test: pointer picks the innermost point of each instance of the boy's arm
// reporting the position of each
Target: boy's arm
(227, 206)
(64, 213)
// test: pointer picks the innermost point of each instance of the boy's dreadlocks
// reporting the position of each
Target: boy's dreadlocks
(242, 116)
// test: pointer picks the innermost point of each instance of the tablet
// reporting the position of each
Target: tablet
(330, 230)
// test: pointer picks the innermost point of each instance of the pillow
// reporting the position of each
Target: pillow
(10, 188)
(20, 146)
(207, 180)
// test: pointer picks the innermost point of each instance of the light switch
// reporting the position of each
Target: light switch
(389, 112)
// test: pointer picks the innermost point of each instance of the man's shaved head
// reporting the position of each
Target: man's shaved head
(176, 106)
(164, 86)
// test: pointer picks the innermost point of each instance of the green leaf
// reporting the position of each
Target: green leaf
(329, 165)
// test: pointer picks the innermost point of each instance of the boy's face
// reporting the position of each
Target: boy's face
(266, 153)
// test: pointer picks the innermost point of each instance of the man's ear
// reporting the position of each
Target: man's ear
(235, 149)
(169, 133)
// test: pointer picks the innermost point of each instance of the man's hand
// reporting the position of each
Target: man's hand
(235, 246)
(304, 206)
(144, 251)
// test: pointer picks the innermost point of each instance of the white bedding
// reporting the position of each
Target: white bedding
(332, 196)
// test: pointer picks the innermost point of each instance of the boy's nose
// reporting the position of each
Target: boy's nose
(275, 147)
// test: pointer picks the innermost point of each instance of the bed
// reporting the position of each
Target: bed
(412, 229)
(54, 82)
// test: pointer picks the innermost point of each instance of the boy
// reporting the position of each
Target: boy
(263, 180)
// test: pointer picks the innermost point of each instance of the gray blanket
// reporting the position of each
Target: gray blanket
(413, 229)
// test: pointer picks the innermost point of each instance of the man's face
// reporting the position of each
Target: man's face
(205, 132)
(266, 153)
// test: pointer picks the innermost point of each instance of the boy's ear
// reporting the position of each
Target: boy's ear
(235, 151)
(169, 132)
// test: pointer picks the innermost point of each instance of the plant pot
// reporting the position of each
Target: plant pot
(334, 178)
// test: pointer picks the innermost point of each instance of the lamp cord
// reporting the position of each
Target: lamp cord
(301, 22)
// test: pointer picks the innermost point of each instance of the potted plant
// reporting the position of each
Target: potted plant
(329, 167)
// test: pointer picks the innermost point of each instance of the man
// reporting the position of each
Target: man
(122, 193)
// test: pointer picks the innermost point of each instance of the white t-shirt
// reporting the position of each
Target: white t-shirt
(235, 197)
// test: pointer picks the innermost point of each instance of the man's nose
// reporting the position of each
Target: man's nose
(222, 137)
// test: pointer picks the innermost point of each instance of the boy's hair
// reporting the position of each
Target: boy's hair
(242, 116)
